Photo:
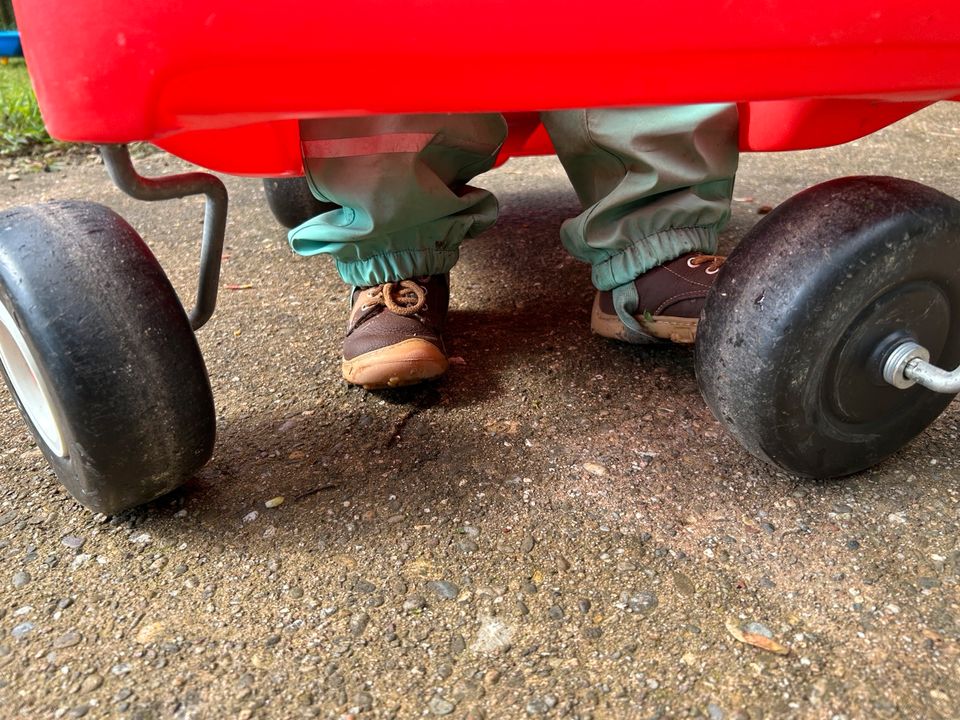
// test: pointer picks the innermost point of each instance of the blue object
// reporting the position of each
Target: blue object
(10, 44)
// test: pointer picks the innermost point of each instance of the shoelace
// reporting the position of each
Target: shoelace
(403, 298)
(716, 261)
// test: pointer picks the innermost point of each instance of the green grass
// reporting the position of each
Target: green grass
(21, 127)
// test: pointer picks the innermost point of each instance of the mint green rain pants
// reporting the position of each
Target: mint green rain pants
(654, 183)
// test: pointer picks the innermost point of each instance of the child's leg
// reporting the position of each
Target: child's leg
(401, 182)
(656, 185)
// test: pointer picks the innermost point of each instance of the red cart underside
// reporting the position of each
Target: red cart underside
(222, 83)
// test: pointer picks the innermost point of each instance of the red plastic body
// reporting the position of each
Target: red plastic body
(222, 83)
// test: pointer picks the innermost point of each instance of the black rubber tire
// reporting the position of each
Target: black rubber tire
(792, 339)
(126, 382)
(291, 201)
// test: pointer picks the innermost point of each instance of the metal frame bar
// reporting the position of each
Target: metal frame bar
(124, 175)
(932, 377)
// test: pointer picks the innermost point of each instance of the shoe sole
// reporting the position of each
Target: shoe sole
(664, 327)
(405, 363)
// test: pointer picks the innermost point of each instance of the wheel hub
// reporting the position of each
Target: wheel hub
(28, 384)
(856, 388)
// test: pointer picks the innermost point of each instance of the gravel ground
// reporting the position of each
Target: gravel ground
(558, 528)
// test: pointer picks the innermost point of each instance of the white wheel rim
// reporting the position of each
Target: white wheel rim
(27, 382)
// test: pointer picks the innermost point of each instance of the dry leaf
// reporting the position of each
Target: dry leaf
(755, 639)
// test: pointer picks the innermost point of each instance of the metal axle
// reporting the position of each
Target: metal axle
(908, 364)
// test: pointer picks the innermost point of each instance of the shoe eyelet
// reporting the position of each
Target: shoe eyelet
(691, 265)
(712, 271)
(364, 308)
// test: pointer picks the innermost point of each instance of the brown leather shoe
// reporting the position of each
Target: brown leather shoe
(671, 297)
(394, 334)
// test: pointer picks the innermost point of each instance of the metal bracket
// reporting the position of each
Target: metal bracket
(124, 175)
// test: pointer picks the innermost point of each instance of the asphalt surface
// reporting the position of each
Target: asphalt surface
(558, 528)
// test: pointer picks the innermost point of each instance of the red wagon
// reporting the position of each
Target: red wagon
(811, 346)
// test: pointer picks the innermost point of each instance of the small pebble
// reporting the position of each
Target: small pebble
(526, 545)
(414, 602)
(584, 605)
(68, 639)
(73, 542)
(467, 546)
(21, 630)
(274, 502)
(363, 700)
(93, 682)
(555, 612)
(541, 706)
(364, 586)
(440, 706)
(853, 545)
(358, 623)
(643, 602)
(444, 589)
(21, 578)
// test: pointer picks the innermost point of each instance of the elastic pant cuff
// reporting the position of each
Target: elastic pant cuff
(648, 252)
(396, 266)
